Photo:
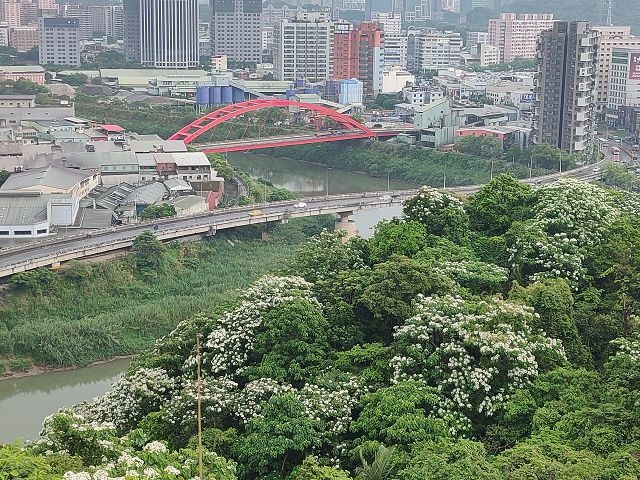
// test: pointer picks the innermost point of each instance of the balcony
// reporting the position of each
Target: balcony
(583, 101)
(580, 131)
(582, 117)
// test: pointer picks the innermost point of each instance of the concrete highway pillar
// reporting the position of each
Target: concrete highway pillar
(344, 223)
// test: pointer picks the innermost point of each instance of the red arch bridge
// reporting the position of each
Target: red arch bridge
(320, 124)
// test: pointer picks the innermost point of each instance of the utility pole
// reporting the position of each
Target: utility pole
(530, 165)
(199, 406)
(326, 179)
(388, 181)
(560, 161)
(444, 178)
(492, 169)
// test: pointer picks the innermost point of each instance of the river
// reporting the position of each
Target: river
(25, 402)
(311, 179)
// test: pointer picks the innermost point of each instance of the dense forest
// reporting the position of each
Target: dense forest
(487, 338)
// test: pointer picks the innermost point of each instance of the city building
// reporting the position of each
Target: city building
(434, 50)
(565, 103)
(219, 62)
(481, 55)
(357, 53)
(59, 41)
(395, 50)
(417, 96)
(610, 37)
(162, 33)
(23, 39)
(390, 22)
(14, 109)
(474, 38)
(516, 35)
(624, 81)
(33, 73)
(350, 92)
(303, 48)
(11, 13)
(437, 122)
(4, 34)
(236, 29)
(394, 79)
(511, 93)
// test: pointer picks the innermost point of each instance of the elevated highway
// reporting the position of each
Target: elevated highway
(54, 251)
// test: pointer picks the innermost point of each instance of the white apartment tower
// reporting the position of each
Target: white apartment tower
(162, 33)
(516, 35)
(610, 38)
(236, 29)
(434, 50)
(303, 48)
(59, 41)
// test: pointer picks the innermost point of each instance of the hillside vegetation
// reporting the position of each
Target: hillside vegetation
(492, 338)
(88, 312)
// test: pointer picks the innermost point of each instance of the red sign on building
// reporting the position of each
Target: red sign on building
(634, 66)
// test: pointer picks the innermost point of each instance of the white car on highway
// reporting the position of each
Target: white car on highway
(300, 205)
(385, 198)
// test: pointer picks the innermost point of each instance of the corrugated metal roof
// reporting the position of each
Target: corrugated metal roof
(23, 209)
(147, 194)
(54, 177)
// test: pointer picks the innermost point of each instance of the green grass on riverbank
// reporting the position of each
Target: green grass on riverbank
(422, 166)
(88, 312)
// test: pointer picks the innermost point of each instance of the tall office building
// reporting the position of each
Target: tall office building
(59, 41)
(565, 104)
(236, 29)
(395, 51)
(303, 48)
(358, 53)
(516, 35)
(162, 33)
(610, 38)
(624, 89)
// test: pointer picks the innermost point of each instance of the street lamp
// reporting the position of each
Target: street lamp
(326, 179)
(388, 181)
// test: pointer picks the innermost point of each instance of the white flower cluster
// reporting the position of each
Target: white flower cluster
(131, 398)
(629, 347)
(467, 272)
(431, 201)
(571, 216)
(229, 344)
(475, 353)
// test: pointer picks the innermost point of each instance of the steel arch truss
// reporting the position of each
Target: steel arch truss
(217, 117)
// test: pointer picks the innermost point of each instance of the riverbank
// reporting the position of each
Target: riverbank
(407, 163)
(36, 370)
(85, 313)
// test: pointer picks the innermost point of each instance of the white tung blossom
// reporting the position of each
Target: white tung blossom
(475, 354)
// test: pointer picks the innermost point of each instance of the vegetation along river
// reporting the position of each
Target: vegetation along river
(24, 402)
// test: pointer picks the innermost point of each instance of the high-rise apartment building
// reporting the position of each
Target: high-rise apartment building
(162, 33)
(516, 35)
(565, 104)
(10, 13)
(624, 85)
(434, 50)
(358, 53)
(395, 51)
(303, 48)
(610, 38)
(390, 22)
(236, 29)
(59, 41)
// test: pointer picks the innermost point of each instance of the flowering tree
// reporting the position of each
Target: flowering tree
(440, 212)
(475, 353)
(570, 218)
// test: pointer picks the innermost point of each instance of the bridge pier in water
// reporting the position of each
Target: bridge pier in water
(343, 222)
